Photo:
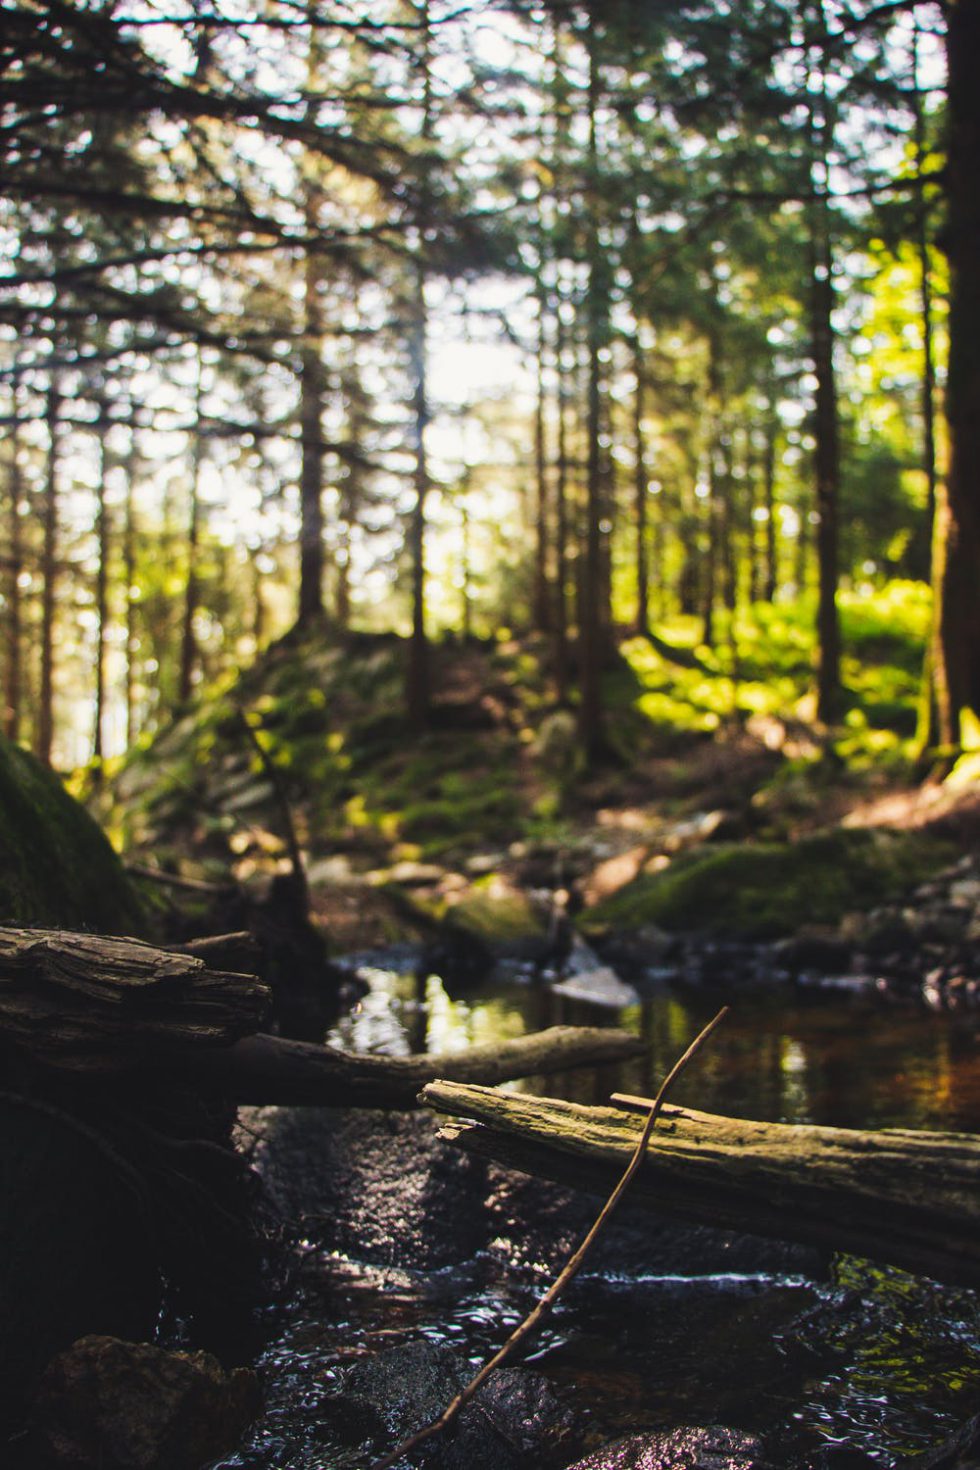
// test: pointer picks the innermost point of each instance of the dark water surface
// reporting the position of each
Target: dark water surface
(855, 1360)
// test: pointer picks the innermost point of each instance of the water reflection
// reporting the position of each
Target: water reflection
(841, 1060)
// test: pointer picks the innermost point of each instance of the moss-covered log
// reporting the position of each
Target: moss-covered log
(269, 1069)
(909, 1198)
(90, 1003)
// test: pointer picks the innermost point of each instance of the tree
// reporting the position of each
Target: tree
(956, 565)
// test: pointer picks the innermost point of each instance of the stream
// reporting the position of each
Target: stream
(836, 1363)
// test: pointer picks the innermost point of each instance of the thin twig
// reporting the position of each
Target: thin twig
(571, 1268)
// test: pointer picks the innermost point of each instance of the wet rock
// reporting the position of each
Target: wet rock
(813, 951)
(377, 1185)
(711, 1448)
(584, 977)
(961, 1452)
(515, 1420)
(395, 1393)
(647, 952)
(114, 1405)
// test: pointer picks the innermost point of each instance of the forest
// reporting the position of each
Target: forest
(489, 584)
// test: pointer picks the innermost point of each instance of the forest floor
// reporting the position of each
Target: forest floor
(727, 815)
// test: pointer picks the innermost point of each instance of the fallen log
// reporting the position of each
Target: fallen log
(908, 1198)
(93, 1004)
(108, 1007)
(269, 1069)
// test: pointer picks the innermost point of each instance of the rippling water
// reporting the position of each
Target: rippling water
(868, 1360)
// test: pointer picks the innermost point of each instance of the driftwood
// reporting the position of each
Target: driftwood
(269, 1069)
(114, 1006)
(905, 1197)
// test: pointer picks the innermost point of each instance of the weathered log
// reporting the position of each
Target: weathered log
(909, 1198)
(270, 1069)
(89, 1003)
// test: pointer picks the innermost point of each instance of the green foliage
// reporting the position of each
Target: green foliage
(57, 869)
(760, 892)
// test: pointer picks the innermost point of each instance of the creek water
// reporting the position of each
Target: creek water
(838, 1364)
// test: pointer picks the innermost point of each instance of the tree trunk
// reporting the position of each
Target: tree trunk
(925, 308)
(129, 576)
(591, 621)
(313, 392)
(561, 514)
(15, 567)
(49, 575)
(825, 420)
(103, 536)
(417, 691)
(909, 1198)
(542, 591)
(313, 375)
(956, 569)
(640, 492)
(188, 640)
(771, 579)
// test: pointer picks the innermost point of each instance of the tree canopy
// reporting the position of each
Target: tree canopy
(566, 318)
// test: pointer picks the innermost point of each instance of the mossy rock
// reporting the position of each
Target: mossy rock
(773, 889)
(499, 922)
(57, 868)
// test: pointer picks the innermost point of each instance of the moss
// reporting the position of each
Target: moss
(497, 918)
(771, 889)
(57, 868)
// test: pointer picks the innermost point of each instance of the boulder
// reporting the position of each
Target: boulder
(105, 1404)
(57, 867)
(514, 1421)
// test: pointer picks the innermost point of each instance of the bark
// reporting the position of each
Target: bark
(129, 577)
(14, 629)
(417, 691)
(103, 536)
(313, 392)
(561, 515)
(956, 570)
(192, 587)
(313, 375)
(825, 419)
(109, 1007)
(909, 1198)
(925, 306)
(268, 1069)
(771, 580)
(592, 622)
(640, 492)
(49, 574)
(542, 591)
(92, 1004)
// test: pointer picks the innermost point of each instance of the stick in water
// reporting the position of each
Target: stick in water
(571, 1268)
